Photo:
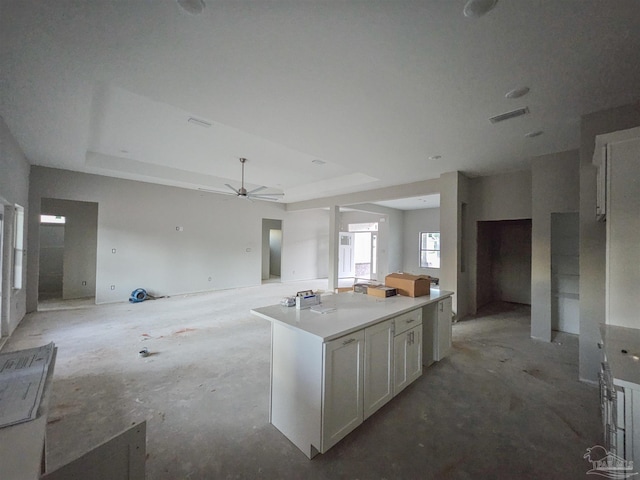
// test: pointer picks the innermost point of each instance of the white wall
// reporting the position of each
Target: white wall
(219, 246)
(415, 222)
(593, 235)
(14, 189)
(555, 189)
(305, 245)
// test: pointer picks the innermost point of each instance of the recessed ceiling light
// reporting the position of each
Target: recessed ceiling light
(193, 7)
(317, 161)
(535, 133)
(477, 8)
(517, 92)
(434, 157)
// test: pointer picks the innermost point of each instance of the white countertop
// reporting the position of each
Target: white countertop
(625, 367)
(353, 311)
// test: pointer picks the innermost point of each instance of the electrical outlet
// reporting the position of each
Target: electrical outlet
(84, 283)
(113, 287)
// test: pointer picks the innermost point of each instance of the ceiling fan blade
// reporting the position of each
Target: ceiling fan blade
(264, 197)
(270, 195)
(237, 191)
(256, 190)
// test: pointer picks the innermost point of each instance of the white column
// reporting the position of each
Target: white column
(334, 229)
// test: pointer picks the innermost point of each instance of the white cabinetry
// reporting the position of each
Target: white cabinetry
(329, 372)
(378, 366)
(436, 331)
(443, 338)
(620, 392)
(621, 164)
(407, 349)
(342, 406)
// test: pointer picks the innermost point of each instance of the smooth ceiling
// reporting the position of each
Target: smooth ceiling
(372, 88)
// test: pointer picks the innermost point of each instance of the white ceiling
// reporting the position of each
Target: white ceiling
(372, 88)
(412, 203)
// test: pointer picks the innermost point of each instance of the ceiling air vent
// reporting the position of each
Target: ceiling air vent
(506, 116)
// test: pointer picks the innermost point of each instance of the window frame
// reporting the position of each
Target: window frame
(421, 250)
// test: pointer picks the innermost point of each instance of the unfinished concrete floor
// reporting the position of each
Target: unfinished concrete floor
(501, 406)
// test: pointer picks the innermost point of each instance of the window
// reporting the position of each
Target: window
(57, 219)
(429, 249)
(18, 246)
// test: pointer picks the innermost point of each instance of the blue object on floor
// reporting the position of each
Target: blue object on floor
(138, 295)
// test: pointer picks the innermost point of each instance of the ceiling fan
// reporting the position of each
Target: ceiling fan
(242, 192)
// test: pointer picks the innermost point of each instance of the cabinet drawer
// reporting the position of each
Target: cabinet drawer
(408, 320)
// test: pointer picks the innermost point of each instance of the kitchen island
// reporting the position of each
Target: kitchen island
(330, 371)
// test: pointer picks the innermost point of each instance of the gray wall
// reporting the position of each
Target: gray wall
(219, 245)
(415, 222)
(555, 189)
(593, 235)
(51, 261)
(14, 189)
(80, 245)
(455, 198)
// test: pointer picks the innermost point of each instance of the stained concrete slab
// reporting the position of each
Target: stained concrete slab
(500, 406)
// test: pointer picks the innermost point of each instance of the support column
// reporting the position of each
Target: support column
(334, 229)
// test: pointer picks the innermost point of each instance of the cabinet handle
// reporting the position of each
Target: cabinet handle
(411, 321)
(347, 342)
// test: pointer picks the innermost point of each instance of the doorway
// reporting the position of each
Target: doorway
(68, 240)
(271, 250)
(565, 272)
(358, 252)
(504, 262)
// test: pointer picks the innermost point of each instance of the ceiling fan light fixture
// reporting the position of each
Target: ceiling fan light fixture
(517, 92)
(243, 193)
(192, 7)
(478, 8)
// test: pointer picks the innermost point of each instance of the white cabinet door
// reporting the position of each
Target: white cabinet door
(444, 328)
(342, 406)
(623, 224)
(378, 366)
(407, 358)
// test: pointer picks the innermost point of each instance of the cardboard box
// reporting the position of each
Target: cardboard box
(381, 291)
(361, 287)
(409, 285)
